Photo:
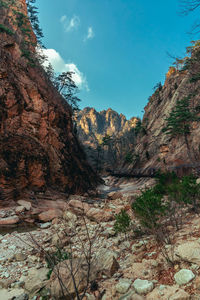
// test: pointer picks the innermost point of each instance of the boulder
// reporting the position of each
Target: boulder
(20, 256)
(78, 207)
(106, 262)
(99, 215)
(131, 296)
(65, 270)
(142, 286)
(115, 195)
(60, 239)
(49, 215)
(189, 251)
(168, 293)
(10, 294)
(198, 180)
(36, 279)
(146, 268)
(184, 276)
(9, 221)
(123, 285)
(25, 204)
(69, 217)
(21, 297)
(19, 209)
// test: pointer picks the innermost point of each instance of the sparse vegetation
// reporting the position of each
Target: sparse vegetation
(5, 29)
(122, 222)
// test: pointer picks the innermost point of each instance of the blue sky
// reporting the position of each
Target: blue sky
(118, 48)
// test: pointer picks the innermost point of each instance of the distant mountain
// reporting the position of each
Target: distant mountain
(105, 135)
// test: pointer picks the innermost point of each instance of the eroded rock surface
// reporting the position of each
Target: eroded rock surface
(38, 146)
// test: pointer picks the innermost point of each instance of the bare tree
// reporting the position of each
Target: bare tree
(188, 6)
(71, 263)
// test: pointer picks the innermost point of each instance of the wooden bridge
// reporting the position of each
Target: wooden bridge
(180, 170)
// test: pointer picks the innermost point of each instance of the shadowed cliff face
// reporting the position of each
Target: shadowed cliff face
(38, 147)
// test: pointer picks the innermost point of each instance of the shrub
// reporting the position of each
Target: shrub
(149, 208)
(122, 222)
(6, 29)
(128, 157)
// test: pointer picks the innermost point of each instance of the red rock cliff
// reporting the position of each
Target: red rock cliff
(38, 148)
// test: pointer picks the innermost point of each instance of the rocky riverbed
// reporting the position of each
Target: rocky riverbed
(124, 267)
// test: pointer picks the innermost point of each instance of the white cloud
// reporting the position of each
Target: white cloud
(60, 66)
(71, 24)
(90, 34)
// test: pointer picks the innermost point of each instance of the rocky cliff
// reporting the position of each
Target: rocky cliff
(158, 149)
(38, 146)
(98, 124)
(93, 127)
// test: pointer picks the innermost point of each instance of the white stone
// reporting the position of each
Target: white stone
(45, 225)
(198, 180)
(123, 285)
(142, 286)
(184, 276)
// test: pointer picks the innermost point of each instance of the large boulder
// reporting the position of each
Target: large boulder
(142, 287)
(62, 283)
(189, 251)
(49, 215)
(9, 221)
(99, 215)
(78, 207)
(106, 262)
(26, 204)
(164, 292)
(123, 285)
(37, 278)
(184, 276)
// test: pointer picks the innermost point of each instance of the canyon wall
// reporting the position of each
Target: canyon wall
(38, 146)
(155, 148)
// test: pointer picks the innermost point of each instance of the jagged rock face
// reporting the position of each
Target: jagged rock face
(156, 148)
(38, 147)
(90, 122)
(92, 126)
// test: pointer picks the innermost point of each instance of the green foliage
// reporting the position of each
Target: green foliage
(149, 208)
(5, 29)
(128, 157)
(139, 128)
(33, 17)
(195, 77)
(164, 180)
(52, 259)
(3, 4)
(122, 222)
(178, 122)
(66, 86)
(185, 191)
(158, 87)
(106, 140)
(147, 154)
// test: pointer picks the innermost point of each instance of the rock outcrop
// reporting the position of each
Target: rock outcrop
(93, 126)
(156, 149)
(38, 146)
(92, 123)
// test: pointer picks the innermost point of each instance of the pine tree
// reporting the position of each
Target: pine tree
(179, 121)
